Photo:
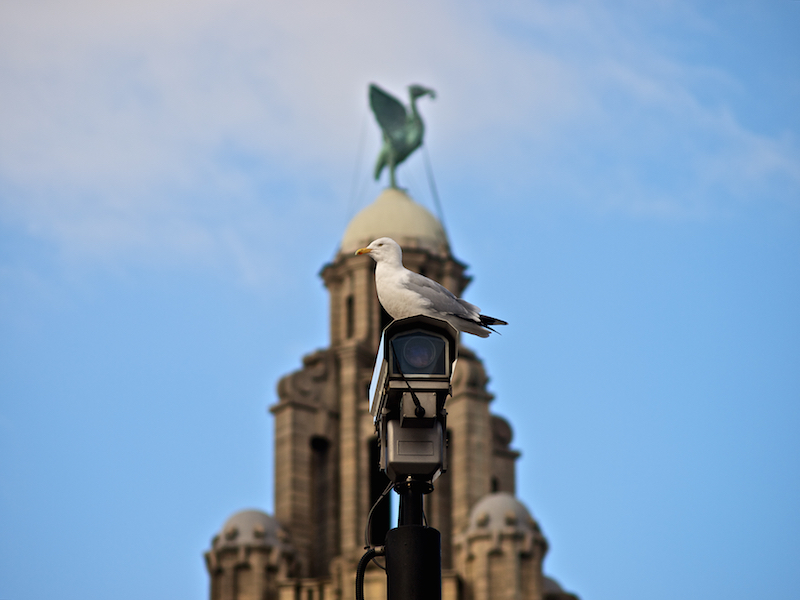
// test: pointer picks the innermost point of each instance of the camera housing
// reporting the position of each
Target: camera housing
(412, 385)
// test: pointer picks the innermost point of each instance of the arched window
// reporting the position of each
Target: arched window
(321, 502)
(350, 323)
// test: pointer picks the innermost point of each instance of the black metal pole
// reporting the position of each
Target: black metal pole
(413, 551)
(413, 563)
(410, 511)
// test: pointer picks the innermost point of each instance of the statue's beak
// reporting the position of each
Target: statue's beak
(363, 251)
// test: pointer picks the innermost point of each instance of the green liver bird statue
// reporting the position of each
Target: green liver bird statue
(402, 129)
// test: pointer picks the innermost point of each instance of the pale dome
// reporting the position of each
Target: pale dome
(500, 512)
(251, 528)
(395, 215)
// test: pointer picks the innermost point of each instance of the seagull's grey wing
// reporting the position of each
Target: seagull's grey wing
(439, 297)
(469, 307)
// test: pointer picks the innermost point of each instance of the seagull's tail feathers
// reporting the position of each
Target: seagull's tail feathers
(473, 326)
(489, 321)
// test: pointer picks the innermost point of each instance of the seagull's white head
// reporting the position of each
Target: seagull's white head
(384, 250)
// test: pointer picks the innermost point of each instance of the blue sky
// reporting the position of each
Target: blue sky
(622, 178)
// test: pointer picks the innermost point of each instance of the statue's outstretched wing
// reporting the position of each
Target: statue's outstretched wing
(389, 112)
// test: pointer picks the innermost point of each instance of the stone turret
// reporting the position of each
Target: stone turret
(249, 558)
(501, 552)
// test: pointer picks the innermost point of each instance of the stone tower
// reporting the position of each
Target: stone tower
(326, 456)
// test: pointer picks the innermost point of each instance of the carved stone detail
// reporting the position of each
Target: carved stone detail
(309, 385)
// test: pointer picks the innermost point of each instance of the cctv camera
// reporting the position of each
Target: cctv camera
(412, 385)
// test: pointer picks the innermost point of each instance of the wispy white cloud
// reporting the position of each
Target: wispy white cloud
(177, 129)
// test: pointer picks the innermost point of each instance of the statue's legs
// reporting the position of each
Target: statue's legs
(392, 181)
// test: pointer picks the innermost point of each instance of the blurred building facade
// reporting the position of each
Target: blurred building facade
(326, 456)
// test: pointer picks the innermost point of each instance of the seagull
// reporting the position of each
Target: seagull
(404, 293)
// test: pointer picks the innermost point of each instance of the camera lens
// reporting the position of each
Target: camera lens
(419, 352)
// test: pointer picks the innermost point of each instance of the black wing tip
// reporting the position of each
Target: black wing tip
(489, 321)
(486, 321)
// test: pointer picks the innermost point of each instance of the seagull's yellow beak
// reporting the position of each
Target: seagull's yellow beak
(363, 251)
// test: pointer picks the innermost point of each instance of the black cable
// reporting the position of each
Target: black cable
(419, 411)
(432, 184)
(367, 541)
(362, 567)
(354, 195)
